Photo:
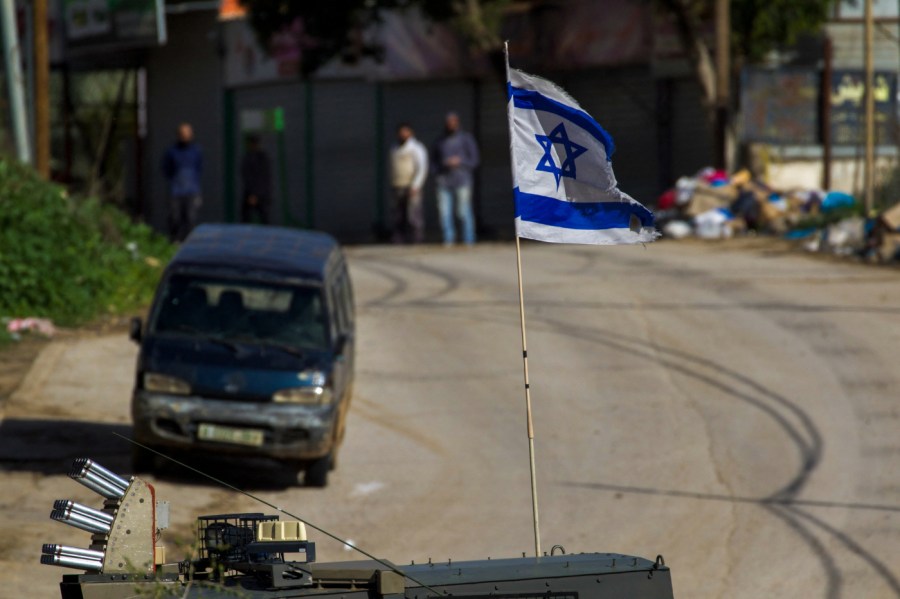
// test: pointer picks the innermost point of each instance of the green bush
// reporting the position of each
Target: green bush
(70, 259)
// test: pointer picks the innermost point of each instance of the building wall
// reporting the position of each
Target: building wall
(345, 157)
(424, 105)
(184, 83)
(846, 173)
(848, 41)
(288, 153)
(336, 149)
(330, 161)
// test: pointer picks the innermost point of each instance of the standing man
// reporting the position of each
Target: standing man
(454, 157)
(409, 168)
(182, 167)
(256, 174)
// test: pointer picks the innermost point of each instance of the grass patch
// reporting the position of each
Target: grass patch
(70, 259)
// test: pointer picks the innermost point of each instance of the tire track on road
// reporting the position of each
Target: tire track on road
(380, 416)
(791, 418)
(400, 284)
(810, 450)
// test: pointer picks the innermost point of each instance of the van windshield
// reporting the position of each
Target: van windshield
(241, 311)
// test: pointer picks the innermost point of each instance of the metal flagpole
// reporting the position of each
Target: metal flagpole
(530, 424)
(529, 421)
(12, 51)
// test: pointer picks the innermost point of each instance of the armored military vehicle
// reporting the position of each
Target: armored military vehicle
(260, 556)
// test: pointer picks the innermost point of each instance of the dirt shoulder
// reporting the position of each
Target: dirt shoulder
(15, 361)
(17, 357)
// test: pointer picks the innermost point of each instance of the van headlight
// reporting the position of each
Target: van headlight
(312, 377)
(163, 383)
(317, 395)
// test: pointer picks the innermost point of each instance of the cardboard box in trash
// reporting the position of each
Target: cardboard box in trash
(707, 197)
(891, 217)
(769, 212)
(890, 244)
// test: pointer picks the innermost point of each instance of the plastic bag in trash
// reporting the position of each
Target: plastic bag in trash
(837, 199)
(684, 190)
(711, 224)
(846, 236)
(677, 229)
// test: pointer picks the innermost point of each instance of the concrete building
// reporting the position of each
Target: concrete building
(329, 136)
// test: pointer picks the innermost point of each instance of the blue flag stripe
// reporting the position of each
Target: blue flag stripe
(579, 215)
(532, 100)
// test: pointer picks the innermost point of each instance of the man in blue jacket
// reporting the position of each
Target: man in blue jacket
(182, 167)
(453, 158)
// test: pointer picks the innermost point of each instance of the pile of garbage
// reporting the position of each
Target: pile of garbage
(15, 327)
(883, 238)
(715, 205)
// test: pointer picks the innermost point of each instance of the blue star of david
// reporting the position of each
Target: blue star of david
(573, 151)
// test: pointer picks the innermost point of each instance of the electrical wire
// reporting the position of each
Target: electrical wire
(387, 565)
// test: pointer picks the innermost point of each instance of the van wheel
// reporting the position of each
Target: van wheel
(316, 474)
(142, 461)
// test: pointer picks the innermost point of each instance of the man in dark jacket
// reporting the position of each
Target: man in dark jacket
(453, 158)
(182, 167)
(256, 173)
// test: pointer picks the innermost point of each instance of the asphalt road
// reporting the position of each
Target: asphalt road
(734, 409)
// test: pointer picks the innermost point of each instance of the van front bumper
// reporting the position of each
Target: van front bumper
(275, 430)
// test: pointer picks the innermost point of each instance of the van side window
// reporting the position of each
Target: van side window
(346, 297)
(339, 315)
(344, 301)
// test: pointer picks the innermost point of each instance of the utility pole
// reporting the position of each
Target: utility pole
(869, 176)
(827, 83)
(15, 83)
(41, 89)
(723, 80)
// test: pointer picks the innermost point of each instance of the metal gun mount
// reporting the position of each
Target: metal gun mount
(244, 555)
(123, 531)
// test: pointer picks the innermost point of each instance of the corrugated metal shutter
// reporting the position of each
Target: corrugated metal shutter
(424, 105)
(495, 207)
(345, 158)
(623, 101)
(352, 141)
(692, 143)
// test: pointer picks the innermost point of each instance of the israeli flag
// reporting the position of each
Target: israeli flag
(563, 181)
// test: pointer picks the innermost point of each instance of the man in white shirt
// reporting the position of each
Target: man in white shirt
(409, 168)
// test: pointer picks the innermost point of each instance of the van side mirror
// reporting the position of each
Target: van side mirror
(135, 332)
(341, 343)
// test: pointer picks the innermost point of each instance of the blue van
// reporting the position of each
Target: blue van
(248, 350)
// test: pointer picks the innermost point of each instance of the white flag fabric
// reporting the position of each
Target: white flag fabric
(563, 181)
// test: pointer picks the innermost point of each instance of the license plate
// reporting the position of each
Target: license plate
(228, 434)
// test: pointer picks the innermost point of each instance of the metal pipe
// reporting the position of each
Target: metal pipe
(105, 481)
(84, 465)
(15, 81)
(79, 521)
(723, 81)
(84, 522)
(40, 68)
(67, 561)
(66, 504)
(98, 485)
(54, 549)
(113, 487)
(827, 74)
(869, 172)
(69, 512)
(108, 474)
